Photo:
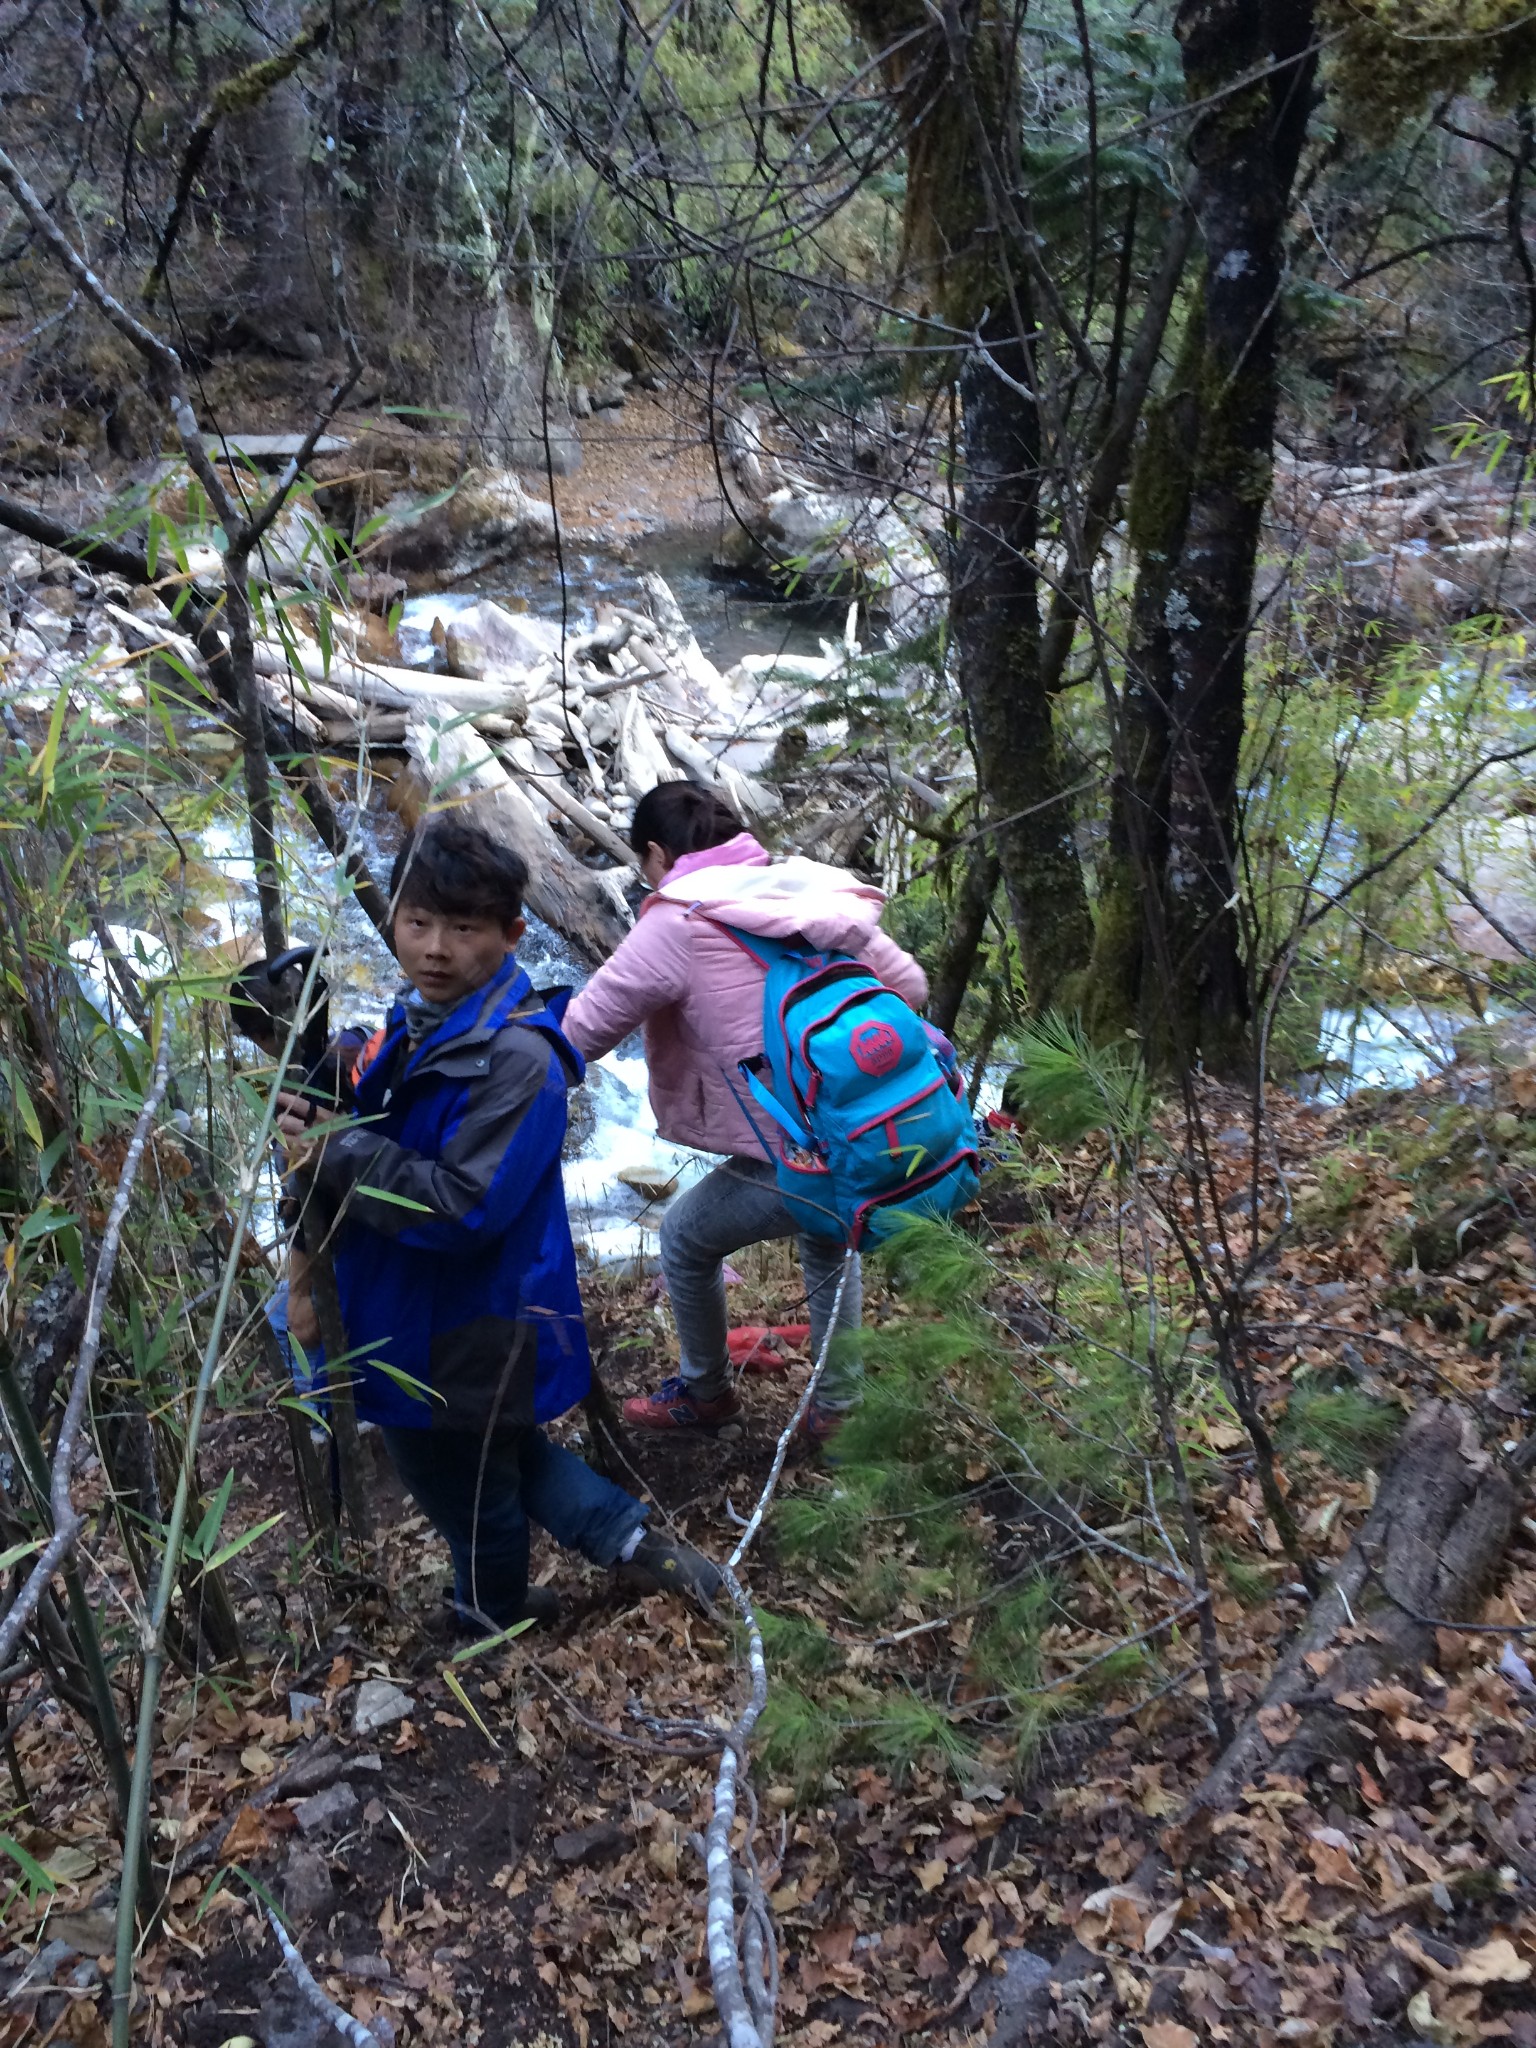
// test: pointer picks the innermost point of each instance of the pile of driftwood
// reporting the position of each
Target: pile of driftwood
(556, 734)
(1415, 547)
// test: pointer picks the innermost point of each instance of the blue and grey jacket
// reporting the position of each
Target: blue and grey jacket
(454, 1260)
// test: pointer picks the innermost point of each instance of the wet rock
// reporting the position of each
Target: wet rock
(488, 644)
(379, 1704)
(650, 1183)
(844, 546)
(488, 516)
(327, 1812)
(373, 590)
(308, 1891)
(599, 1843)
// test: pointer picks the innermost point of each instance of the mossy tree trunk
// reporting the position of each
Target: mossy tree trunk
(955, 76)
(1125, 991)
(1244, 148)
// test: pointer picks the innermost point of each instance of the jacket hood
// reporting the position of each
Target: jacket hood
(781, 899)
(509, 997)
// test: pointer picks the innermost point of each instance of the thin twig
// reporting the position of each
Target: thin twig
(67, 1520)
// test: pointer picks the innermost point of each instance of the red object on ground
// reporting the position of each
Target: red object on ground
(764, 1348)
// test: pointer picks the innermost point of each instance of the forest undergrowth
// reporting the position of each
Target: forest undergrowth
(991, 1703)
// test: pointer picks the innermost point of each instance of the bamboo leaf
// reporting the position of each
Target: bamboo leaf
(395, 1201)
(450, 1679)
(202, 1539)
(47, 761)
(36, 1878)
(236, 1544)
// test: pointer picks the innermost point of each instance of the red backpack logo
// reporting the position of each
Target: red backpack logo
(875, 1047)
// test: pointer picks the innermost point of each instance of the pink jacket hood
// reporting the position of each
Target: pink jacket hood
(738, 884)
(699, 994)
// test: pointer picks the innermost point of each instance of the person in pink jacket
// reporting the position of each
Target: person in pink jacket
(700, 998)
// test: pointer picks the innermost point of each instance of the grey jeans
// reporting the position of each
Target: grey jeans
(739, 1204)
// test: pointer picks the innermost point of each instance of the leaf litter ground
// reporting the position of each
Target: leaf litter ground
(512, 1860)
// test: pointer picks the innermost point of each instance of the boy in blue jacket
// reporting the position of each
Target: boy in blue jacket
(453, 1255)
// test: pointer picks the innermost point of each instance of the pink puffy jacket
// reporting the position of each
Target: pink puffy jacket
(700, 997)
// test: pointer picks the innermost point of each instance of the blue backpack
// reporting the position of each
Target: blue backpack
(868, 1100)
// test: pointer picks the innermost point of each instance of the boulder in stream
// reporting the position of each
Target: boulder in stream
(490, 644)
(826, 544)
(488, 516)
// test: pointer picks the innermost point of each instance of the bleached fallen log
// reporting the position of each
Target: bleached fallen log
(393, 689)
(750, 798)
(551, 790)
(790, 668)
(741, 430)
(293, 713)
(585, 905)
(639, 756)
(374, 728)
(150, 638)
(883, 771)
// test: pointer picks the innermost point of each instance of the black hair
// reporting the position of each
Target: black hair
(458, 870)
(684, 817)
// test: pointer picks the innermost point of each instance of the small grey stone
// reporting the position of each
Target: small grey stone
(599, 1843)
(307, 1887)
(302, 1703)
(327, 1812)
(38, 1974)
(1233, 1139)
(1020, 1998)
(581, 403)
(1332, 1290)
(365, 1969)
(379, 1704)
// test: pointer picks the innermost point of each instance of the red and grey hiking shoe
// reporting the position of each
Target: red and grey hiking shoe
(673, 1406)
(819, 1425)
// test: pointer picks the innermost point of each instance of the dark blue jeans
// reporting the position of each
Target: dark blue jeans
(480, 1496)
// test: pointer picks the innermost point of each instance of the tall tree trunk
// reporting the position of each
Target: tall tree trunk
(955, 75)
(1244, 150)
(281, 286)
(1125, 991)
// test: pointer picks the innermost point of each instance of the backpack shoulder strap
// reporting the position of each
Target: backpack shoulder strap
(765, 951)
